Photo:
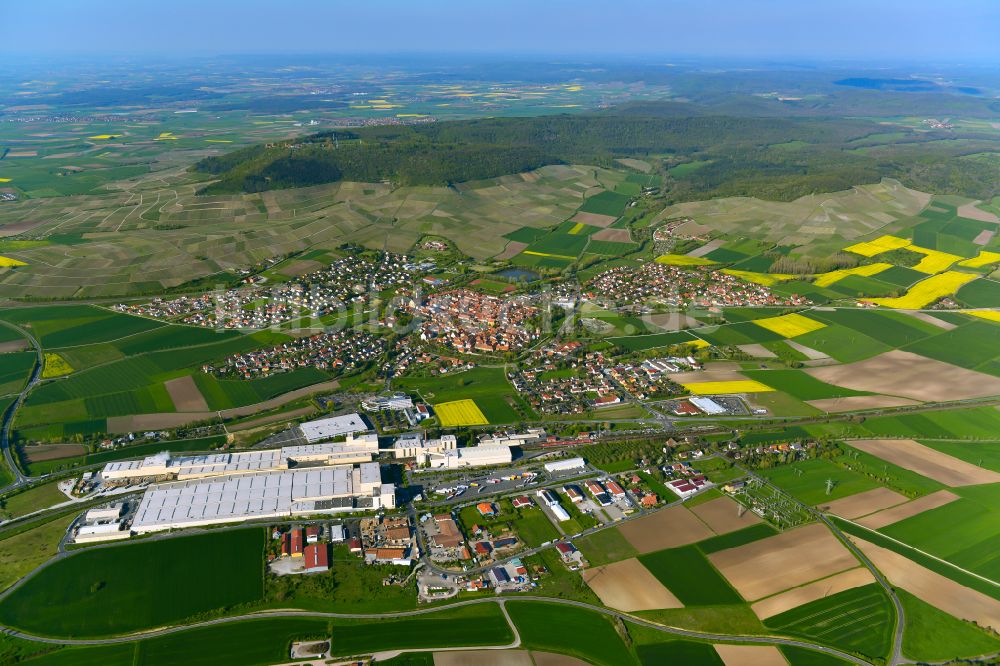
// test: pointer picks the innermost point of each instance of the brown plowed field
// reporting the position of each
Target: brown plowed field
(864, 503)
(927, 462)
(629, 586)
(798, 596)
(667, 528)
(879, 520)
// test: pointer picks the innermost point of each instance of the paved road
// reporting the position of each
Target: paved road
(8, 416)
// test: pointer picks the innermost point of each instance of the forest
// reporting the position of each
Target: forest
(747, 156)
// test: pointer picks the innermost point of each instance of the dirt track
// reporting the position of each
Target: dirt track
(903, 511)
(668, 528)
(798, 596)
(629, 586)
(927, 462)
(910, 376)
(935, 589)
(790, 559)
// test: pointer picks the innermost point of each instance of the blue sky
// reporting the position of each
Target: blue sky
(898, 30)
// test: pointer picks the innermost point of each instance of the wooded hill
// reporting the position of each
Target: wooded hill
(744, 155)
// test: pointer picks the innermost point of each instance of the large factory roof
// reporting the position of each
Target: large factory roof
(335, 426)
(248, 496)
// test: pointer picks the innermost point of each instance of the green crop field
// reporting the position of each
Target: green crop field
(605, 547)
(121, 654)
(843, 344)
(797, 383)
(34, 499)
(65, 326)
(737, 538)
(654, 341)
(15, 368)
(930, 634)
(567, 630)
(982, 454)
(973, 346)
(806, 480)
(690, 576)
(488, 387)
(965, 532)
(678, 652)
(611, 248)
(893, 328)
(605, 203)
(534, 528)
(980, 294)
(111, 590)
(972, 423)
(859, 620)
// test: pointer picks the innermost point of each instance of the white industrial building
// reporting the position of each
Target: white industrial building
(707, 405)
(470, 456)
(559, 512)
(396, 401)
(162, 466)
(273, 494)
(100, 532)
(414, 445)
(531, 436)
(104, 513)
(334, 426)
(565, 465)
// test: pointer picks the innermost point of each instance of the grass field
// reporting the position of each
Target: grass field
(678, 652)
(931, 634)
(737, 538)
(574, 631)
(605, 203)
(806, 480)
(96, 592)
(31, 500)
(690, 576)
(797, 656)
(965, 532)
(605, 547)
(459, 413)
(488, 387)
(799, 384)
(859, 620)
(21, 553)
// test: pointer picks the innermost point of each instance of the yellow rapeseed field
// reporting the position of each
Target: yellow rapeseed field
(577, 228)
(763, 279)
(826, 279)
(55, 366)
(984, 258)
(9, 261)
(927, 291)
(934, 261)
(990, 315)
(878, 246)
(683, 260)
(4, 180)
(101, 137)
(735, 386)
(790, 325)
(460, 413)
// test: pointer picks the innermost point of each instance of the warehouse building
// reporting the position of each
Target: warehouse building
(470, 456)
(707, 405)
(163, 466)
(334, 426)
(565, 465)
(273, 494)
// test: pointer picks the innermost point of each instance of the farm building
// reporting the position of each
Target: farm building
(521, 502)
(317, 558)
(335, 426)
(573, 493)
(684, 488)
(565, 465)
(283, 493)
